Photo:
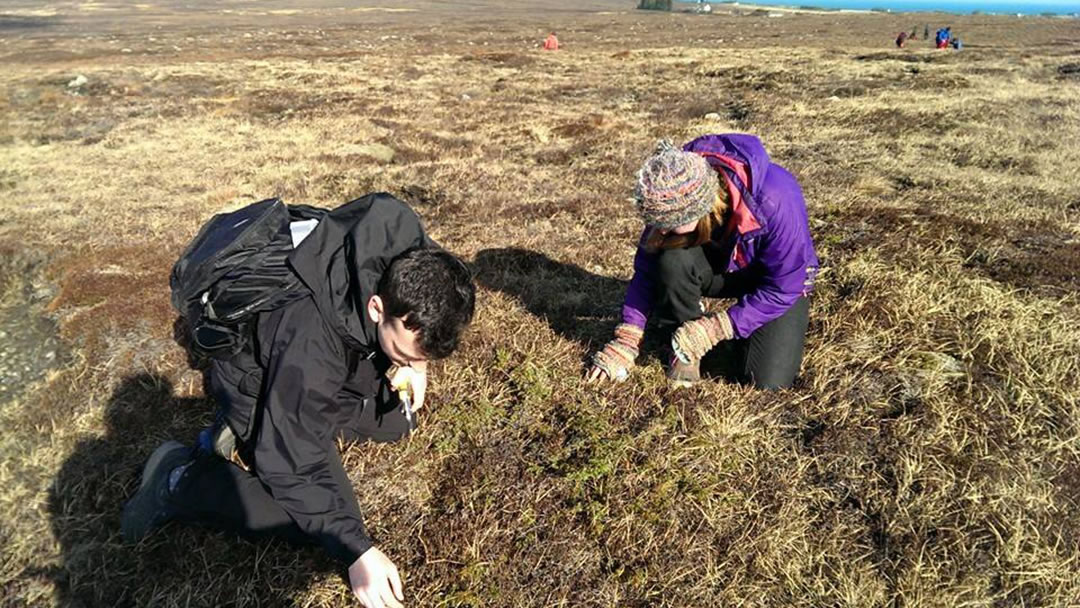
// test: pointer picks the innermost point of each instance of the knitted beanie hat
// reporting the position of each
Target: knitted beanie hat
(675, 187)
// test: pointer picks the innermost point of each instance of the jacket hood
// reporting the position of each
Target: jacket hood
(344, 258)
(742, 148)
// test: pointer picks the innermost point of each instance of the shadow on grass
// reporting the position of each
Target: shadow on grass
(576, 303)
(174, 565)
(87, 496)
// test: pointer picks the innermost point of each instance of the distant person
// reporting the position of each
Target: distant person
(956, 44)
(942, 38)
(551, 43)
(722, 220)
(926, 31)
(901, 39)
(914, 33)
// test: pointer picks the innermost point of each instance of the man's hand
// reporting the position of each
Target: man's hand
(411, 380)
(375, 582)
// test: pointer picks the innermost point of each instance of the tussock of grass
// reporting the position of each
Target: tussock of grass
(926, 457)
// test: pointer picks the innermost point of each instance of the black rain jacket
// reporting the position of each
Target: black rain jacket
(313, 363)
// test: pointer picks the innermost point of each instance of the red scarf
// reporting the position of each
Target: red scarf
(742, 218)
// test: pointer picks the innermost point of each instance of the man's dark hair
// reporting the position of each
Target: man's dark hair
(433, 292)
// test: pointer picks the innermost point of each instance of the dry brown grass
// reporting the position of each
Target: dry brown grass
(927, 457)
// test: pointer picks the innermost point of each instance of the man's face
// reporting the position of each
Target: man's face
(399, 343)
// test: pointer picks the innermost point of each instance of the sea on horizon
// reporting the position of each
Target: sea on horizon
(964, 7)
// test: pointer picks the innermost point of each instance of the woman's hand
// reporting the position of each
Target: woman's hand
(597, 374)
(696, 337)
(615, 360)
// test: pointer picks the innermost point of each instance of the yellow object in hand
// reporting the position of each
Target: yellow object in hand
(401, 379)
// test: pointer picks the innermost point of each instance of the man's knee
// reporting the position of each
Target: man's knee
(387, 434)
(390, 435)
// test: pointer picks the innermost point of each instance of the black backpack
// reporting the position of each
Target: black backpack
(235, 267)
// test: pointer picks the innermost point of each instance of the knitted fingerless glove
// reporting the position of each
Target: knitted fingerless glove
(698, 336)
(617, 356)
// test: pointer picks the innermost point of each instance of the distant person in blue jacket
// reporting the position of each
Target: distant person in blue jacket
(942, 37)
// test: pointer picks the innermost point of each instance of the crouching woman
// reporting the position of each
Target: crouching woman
(721, 221)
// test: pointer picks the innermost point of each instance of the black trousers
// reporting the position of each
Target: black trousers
(218, 494)
(770, 357)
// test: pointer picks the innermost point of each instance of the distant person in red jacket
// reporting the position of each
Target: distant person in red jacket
(551, 43)
(901, 39)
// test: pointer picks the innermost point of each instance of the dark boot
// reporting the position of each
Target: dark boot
(150, 507)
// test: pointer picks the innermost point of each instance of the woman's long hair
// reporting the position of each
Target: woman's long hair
(699, 235)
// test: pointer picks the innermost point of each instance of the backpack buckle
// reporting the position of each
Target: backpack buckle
(214, 340)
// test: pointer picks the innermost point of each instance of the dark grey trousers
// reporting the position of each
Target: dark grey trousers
(218, 494)
(770, 357)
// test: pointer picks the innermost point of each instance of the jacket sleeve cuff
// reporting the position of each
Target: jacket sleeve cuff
(349, 552)
(633, 316)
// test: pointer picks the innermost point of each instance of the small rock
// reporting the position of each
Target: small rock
(465, 97)
(125, 50)
(712, 116)
(77, 82)
(942, 363)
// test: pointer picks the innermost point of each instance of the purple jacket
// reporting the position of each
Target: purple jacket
(772, 235)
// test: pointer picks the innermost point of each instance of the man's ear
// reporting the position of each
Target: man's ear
(375, 309)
